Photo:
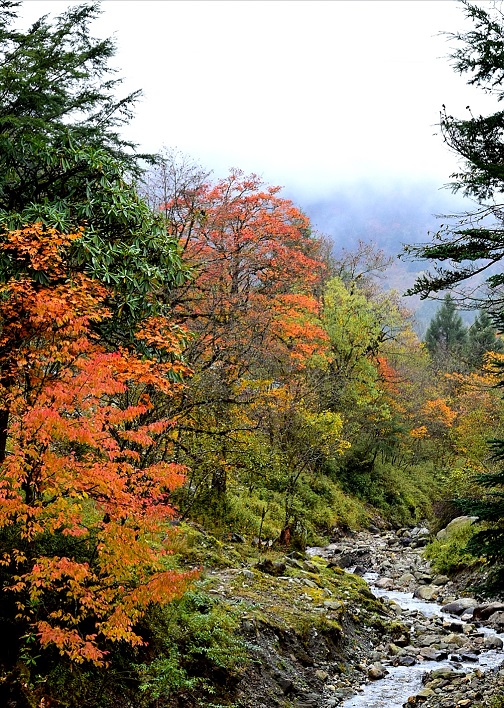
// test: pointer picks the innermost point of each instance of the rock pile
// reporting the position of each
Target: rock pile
(456, 639)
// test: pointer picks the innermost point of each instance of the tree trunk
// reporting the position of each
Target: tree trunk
(4, 424)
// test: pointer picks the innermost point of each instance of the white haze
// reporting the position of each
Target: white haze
(308, 94)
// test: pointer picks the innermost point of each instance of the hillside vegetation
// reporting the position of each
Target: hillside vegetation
(191, 379)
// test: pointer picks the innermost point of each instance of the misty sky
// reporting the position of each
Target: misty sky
(310, 95)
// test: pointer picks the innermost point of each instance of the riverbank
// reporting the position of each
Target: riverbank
(458, 649)
(317, 634)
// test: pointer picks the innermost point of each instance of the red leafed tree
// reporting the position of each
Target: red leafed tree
(257, 273)
(84, 499)
(252, 308)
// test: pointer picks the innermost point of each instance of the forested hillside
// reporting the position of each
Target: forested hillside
(194, 379)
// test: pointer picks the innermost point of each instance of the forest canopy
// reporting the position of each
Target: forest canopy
(192, 376)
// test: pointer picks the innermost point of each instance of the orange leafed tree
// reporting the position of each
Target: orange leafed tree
(257, 272)
(84, 500)
(252, 309)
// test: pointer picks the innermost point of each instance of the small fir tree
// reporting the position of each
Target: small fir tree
(446, 337)
(481, 339)
(488, 542)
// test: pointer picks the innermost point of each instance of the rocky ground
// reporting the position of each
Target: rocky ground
(317, 633)
(459, 636)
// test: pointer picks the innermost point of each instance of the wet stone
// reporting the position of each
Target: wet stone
(433, 654)
(405, 661)
(376, 672)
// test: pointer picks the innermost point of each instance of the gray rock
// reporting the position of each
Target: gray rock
(359, 570)
(453, 608)
(237, 538)
(423, 577)
(433, 654)
(376, 672)
(405, 579)
(423, 531)
(458, 607)
(429, 640)
(496, 621)
(405, 660)
(425, 693)
(469, 656)
(394, 650)
(491, 641)
(426, 592)
(483, 612)
(458, 639)
(455, 524)
(440, 580)
(444, 672)
(454, 627)
(332, 605)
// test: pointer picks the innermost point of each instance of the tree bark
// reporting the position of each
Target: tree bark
(4, 424)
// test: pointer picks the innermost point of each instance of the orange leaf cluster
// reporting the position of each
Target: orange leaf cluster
(256, 272)
(80, 473)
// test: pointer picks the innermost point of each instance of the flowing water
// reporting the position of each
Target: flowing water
(404, 681)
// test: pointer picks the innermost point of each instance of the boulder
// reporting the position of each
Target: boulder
(459, 606)
(426, 592)
(394, 650)
(445, 672)
(496, 621)
(271, 567)
(405, 579)
(420, 531)
(469, 656)
(376, 672)
(404, 660)
(433, 654)
(440, 580)
(458, 639)
(454, 525)
(483, 612)
(454, 627)
(492, 641)
(310, 567)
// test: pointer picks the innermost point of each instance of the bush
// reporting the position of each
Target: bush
(450, 555)
(195, 644)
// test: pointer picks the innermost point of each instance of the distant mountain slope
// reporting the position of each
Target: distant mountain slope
(389, 216)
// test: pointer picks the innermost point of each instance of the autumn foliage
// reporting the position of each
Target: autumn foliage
(257, 269)
(84, 499)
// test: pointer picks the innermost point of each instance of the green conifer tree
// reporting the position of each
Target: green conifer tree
(475, 242)
(64, 163)
(446, 337)
(488, 542)
(481, 338)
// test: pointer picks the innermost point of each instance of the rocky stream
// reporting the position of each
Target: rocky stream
(408, 638)
(452, 652)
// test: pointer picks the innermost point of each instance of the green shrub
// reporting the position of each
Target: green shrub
(450, 555)
(404, 495)
(195, 645)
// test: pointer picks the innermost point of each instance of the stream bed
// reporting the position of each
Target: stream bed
(393, 690)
